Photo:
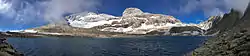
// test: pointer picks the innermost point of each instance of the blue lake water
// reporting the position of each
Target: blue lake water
(79, 46)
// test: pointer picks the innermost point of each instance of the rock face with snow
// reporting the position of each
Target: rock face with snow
(221, 24)
(133, 21)
(206, 25)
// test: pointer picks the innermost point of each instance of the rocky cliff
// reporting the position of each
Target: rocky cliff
(7, 50)
(234, 39)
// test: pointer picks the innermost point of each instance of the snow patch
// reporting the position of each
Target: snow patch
(91, 20)
(30, 31)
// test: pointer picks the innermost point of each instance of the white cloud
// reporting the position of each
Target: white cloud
(212, 7)
(23, 12)
(56, 8)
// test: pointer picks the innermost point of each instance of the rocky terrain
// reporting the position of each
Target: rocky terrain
(7, 50)
(233, 39)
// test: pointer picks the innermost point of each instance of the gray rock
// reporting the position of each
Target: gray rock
(132, 12)
(7, 50)
(229, 43)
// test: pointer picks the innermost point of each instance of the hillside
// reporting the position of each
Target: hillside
(234, 39)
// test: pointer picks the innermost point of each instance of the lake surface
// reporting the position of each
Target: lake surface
(79, 46)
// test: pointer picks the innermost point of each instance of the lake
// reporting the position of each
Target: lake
(80, 46)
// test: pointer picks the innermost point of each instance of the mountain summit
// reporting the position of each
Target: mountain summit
(133, 21)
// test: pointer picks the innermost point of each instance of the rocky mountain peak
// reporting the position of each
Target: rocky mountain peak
(206, 25)
(234, 35)
(132, 12)
(133, 21)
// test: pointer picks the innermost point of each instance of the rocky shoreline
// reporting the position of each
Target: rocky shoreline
(7, 50)
(87, 35)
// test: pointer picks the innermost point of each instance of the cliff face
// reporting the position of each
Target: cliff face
(234, 39)
(221, 24)
(206, 25)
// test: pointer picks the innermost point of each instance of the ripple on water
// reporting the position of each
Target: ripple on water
(152, 46)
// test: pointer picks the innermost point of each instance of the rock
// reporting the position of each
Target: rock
(243, 31)
(132, 12)
(5, 54)
(190, 30)
(7, 50)
(226, 22)
(212, 21)
(133, 21)
(228, 43)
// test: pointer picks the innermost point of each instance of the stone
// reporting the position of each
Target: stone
(132, 12)
(5, 54)
(234, 42)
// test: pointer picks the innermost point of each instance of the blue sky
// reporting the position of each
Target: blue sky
(32, 13)
(116, 7)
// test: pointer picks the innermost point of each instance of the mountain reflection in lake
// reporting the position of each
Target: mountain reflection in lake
(77, 46)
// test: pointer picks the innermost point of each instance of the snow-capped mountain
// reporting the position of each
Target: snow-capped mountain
(133, 21)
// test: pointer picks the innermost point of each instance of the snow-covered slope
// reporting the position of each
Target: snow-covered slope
(90, 20)
(209, 23)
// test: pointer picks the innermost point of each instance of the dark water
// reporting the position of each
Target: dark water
(143, 46)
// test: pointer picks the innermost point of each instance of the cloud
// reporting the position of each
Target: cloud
(239, 5)
(211, 7)
(56, 8)
(19, 13)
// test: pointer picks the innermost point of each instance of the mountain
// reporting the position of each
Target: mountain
(133, 21)
(233, 40)
(208, 24)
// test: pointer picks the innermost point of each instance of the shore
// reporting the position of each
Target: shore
(83, 34)
(6, 49)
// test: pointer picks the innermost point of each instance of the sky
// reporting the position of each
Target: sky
(116, 7)
(23, 14)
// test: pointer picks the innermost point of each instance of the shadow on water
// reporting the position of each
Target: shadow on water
(152, 46)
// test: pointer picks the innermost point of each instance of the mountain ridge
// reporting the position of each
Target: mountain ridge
(232, 41)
